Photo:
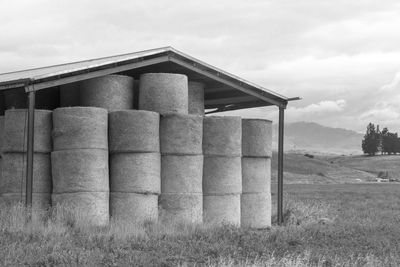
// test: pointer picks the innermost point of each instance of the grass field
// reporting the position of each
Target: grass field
(326, 225)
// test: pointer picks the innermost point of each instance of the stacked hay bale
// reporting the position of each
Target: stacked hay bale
(196, 98)
(222, 175)
(182, 167)
(12, 183)
(112, 92)
(80, 161)
(134, 164)
(256, 170)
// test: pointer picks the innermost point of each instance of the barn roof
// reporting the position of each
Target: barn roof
(223, 91)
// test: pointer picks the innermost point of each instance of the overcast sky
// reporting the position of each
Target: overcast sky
(342, 57)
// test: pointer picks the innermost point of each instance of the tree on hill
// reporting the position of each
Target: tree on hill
(371, 140)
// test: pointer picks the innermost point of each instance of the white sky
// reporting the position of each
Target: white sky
(342, 57)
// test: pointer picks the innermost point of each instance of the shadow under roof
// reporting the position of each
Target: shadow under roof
(223, 91)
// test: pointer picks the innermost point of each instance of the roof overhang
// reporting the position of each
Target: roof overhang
(223, 90)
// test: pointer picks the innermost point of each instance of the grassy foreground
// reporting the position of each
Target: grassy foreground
(327, 225)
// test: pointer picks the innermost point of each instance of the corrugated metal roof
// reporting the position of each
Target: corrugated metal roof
(227, 91)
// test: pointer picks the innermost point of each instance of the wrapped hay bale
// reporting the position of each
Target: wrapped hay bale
(222, 209)
(134, 207)
(111, 92)
(256, 175)
(70, 95)
(256, 138)
(256, 210)
(163, 92)
(16, 129)
(80, 127)
(222, 136)
(196, 98)
(80, 170)
(181, 174)
(134, 131)
(181, 134)
(135, 173)
(92, 207)
(14, 173)
(181, 207)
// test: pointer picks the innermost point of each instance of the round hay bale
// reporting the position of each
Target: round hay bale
(181, 134)
(39, 200)
(134, 207)
(222, 175)
(92, 207)
(181, 174)
(80, 127)
(134, 131)
(222, 209)
(256, 210)
(196, 98)
(112, 92)
(80, 170)
(163, 92)
(70, 95)
(1, 133)
(256, 175)
(256, 138)
(16, 129)
(181, 207)
(222, 136)
(135, 173)
(14, 173)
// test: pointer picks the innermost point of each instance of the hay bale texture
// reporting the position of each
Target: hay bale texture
(134, 207)
(256, 138)
(163, 92)
(111, 92)
(69, 95)
(134, 131)
(222, 209)
(222, 136)
(256, 175)
(181, 134)
(80, 127)
(135, 173)
(91, 206)
(181, 207)
(80, 170)
(14, 173)
(16, 129)
(256, 210)
(196, 98)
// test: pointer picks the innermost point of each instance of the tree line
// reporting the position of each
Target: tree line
(376, 141)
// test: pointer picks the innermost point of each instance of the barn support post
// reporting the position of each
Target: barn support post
(280, 165)
(30, 148)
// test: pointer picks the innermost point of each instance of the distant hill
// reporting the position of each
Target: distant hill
(313, 137)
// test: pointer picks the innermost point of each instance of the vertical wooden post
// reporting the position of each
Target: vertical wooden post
(30, 144)
(280, 165)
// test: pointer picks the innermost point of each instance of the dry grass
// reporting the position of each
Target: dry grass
(330, 225)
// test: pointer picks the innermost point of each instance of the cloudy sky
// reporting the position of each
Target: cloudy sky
(342, 57)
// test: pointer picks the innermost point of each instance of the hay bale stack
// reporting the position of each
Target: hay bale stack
(181, 167)
(80, 162)
(70, 95)
(163, 93)
(256, 172)
(134, 165)
(196, 98)
(112, 92)
(222, 173)
(13, 178)
(80, 127)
